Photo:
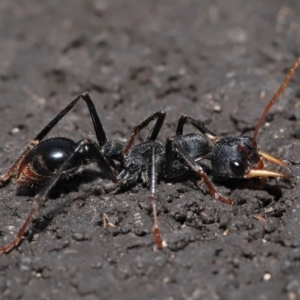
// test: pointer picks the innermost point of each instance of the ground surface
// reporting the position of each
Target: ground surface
(218, 61)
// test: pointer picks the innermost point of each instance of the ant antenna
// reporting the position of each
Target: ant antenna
(275, 97)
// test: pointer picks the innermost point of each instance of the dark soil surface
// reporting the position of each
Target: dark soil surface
(217, 61)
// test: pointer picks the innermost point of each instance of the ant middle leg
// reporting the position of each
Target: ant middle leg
(159, 116)
(156, 232)
(191, 164)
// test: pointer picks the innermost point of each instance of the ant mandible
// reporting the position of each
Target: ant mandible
(231, 157)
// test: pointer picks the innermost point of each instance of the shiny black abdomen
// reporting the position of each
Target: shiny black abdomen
(46, 158)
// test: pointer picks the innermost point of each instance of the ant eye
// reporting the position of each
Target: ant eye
(238, 168)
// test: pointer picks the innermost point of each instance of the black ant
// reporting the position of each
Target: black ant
(51, 159)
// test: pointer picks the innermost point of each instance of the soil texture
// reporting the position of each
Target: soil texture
(217, 61)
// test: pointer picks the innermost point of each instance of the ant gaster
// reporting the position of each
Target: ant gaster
(230, 157)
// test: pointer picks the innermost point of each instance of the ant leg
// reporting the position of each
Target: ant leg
(211, 137)
(8, 247)
(170, 158)
(206, 132)
(11, 172)
(42, 196)
(160, 116)
(101, 137)
(98, 127)
(193, 166)
(152, 198)
(181, 122)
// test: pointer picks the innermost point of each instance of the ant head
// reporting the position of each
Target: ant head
(235, 157)
(238, 157)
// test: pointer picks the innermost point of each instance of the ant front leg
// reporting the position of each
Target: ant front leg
(209, 135)
(172, 146)
(87, 151)
(160, 117)
(99, 131)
